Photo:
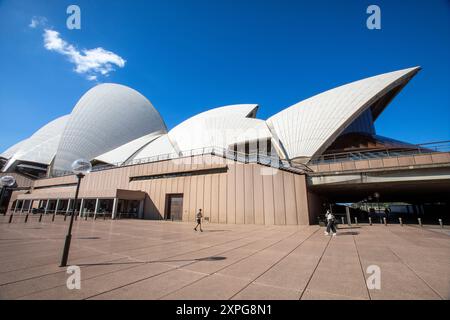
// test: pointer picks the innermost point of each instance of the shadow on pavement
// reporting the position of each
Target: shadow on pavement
(144, 262)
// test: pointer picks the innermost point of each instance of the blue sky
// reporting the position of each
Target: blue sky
(192, 55)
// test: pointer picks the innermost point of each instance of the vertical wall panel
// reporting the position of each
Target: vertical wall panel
(153, 189)
(186, 197)
(193, 198)
(200, 186)
(240, 193)
(180, 185)
(289, 198)
(173, 185)
(157, 196)
(278, 195)
(193, 163)
(165, 166)
(215, 198)
(207, 197)
(162, 197)
(231, 194)
(170, 166)
(258, 194)
(301, 200)
(269, 210)
(223, 198)
(248, 197)
(159, 165)
(151, 168)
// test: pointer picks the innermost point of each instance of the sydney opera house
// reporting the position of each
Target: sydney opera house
(236, 167)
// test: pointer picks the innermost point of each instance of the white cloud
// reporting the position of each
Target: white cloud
(92, 62)
(37, 21)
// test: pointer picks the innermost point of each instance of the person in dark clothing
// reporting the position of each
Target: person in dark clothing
(199, 220)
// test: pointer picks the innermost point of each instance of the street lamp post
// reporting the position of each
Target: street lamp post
(6, 182)
(80, 168)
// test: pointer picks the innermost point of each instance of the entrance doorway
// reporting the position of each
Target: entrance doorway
(174, 206)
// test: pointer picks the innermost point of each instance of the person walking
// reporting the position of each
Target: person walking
(330, 223)
(199, 220)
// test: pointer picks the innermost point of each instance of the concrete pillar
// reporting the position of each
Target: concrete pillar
(347, 212)
(68, 206)
(114, 209)
(81, 207)
(46, 206)
(141, 210)
(97, 204)
(22, 206)
(57, 204)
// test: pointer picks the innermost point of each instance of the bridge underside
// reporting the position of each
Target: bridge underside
(412, 186)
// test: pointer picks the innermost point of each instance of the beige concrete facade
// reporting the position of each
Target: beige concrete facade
(394, 162)
(227, 191)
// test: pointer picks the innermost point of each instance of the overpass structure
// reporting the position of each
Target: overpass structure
(416, 175)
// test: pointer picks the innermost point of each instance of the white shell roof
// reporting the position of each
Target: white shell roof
(106, 117)
(258, 131)
(159, 146)
(217, 127)
(8, 153)
(41, 146)
(121, 154)
(308, 127)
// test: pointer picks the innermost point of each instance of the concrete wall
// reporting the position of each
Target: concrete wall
(244, 194)
(398, 162)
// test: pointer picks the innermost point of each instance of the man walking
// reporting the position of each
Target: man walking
(199, 220)
(330, 223)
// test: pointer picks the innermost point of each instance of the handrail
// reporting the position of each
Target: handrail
(259, 158)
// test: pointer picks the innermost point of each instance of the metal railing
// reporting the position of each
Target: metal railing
(258, 158)
(418, 149)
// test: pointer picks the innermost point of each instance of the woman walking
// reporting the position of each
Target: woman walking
(199, 220)
(330, 223)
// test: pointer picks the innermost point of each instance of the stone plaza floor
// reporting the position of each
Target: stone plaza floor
(138, 259)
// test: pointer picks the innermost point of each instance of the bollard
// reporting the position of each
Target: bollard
(53, 218)
(370, 221)
(85, 217)
(401, 221)
(385, 221)
(356, 220)
(10, 218)
(420, 221)
(65, 216)
(381, 220)
(440, 222)
(342, 219)
(26, 218)
(40, 218)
